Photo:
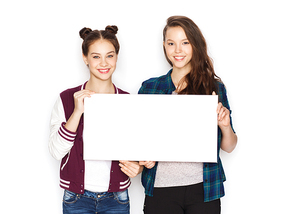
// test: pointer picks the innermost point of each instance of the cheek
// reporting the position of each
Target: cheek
(169, 50)
(189, 51)
(113, 62)
(91, 61)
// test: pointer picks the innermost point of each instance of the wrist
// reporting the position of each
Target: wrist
(225, 128)
(77, 113)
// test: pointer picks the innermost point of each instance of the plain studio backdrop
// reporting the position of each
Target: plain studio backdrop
(253, 47)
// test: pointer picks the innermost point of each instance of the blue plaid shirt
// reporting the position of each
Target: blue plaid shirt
(213, 173)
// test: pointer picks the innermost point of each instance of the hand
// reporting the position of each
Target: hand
(223, 115)
(147, 164)
(79, 100)
(130, 168)
(74, 119)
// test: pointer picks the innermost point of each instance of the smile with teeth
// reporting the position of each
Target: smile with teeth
(104, 71)
(179, 58)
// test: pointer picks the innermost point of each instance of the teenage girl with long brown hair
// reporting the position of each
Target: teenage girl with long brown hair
(175, 187)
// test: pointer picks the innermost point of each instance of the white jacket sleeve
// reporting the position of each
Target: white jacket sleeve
(61, 140)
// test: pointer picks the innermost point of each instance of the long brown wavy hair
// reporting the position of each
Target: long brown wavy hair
(202, 78)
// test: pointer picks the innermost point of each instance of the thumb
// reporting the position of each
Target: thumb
(214, 93)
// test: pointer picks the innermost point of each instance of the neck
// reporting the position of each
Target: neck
(100, 87)
(178, 75)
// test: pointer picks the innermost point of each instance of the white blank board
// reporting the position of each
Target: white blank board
(150, 127)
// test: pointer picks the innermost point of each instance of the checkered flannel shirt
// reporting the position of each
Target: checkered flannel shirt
(213, 173)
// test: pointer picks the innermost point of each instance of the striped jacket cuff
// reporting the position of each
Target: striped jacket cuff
(66, 134)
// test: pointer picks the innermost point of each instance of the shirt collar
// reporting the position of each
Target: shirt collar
(84, 85)
(169, 83)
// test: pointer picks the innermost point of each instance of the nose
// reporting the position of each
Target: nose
(178, 48)
(103, 62)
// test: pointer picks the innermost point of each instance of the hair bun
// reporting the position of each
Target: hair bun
(84, 32)
(112, 29)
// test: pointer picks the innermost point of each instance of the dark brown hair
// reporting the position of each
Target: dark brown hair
(89, 36)
(202, 78)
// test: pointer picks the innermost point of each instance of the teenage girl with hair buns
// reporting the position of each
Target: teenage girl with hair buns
(90, 186)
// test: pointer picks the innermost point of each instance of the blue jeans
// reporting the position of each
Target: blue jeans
(100, 203)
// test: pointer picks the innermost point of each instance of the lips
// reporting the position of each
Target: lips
(179, 58)
(104, 71)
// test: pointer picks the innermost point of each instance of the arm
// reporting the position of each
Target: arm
(61, 140)
(62, 133)
(73, 122)
(229, 138)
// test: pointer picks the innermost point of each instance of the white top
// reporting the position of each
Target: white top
(97, 175)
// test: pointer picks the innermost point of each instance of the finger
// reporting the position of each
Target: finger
(131, 172)
(147, 164)
(142, 163)
(131, 165)
(88, 91)
(224, 113)
(221, 116)
(219, 107)
(214, 93)
(83, 94)
(124, 170)
(150, 164)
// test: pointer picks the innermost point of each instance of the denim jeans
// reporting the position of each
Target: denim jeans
(100, 203)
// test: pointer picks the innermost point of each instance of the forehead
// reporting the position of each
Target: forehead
(101, 46)
(175, 33)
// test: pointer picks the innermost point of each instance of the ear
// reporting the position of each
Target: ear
(85, 59)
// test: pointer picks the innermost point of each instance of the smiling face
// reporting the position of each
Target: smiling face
(178, 49)
(101, 60)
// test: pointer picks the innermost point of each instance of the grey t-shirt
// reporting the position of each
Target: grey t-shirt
(170, 174)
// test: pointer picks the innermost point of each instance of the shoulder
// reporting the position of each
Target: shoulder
(155, 80)
(71, 90)
(222, 93)
(157, 85)
(67, 95)
(221, 87)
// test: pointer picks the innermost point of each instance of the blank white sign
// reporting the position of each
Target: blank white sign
(150, 127)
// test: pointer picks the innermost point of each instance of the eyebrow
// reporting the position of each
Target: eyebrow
(100, 54)
(173, 40)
